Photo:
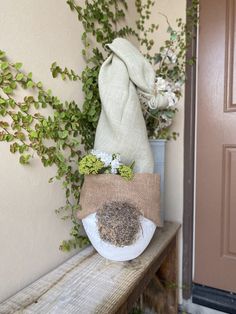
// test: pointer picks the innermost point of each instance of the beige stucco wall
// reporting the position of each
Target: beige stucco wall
(38, 33)
(174, 162)
(174, 158)
(175, 149)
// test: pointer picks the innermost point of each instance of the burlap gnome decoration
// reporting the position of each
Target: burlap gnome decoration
(121, 129)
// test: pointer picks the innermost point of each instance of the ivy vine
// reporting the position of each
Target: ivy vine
(59, 138)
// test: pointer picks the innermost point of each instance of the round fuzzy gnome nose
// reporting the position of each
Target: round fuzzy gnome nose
(119, 223)
(116, 253)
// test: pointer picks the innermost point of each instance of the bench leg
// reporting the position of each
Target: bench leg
(161, 295)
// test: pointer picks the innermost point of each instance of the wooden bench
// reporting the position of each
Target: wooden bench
(88, 283)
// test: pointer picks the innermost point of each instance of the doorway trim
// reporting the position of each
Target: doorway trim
(203, 295)
(189, 158)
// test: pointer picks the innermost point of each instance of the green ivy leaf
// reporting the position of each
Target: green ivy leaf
(54, 73)
(30, 84)
(4, 65)
(7, 90)
(63, 134)
(89, 96)
(13, 148)
(173, 36)
(2, 55)
(45, 124)
(4, 124)
(157, 58)
(25, 107)
(12, 103)
(13, 85)
(33, 134)
(20, 135)
(23, 148)
(3, 112)
(9, 137)
(39, 85)
(18, 65)
(24, 159)
(60, 157)
(36, 105)
(19, 76)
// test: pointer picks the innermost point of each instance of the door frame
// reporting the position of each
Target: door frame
(189, 161)
(210, 297)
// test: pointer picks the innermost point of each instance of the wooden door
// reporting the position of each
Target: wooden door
(215, 224)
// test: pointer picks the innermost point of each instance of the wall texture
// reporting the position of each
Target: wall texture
(174, 159)
(38, 33)
(174, 163)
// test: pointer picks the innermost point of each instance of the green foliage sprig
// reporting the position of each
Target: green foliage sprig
(144, 9)
(90, 164)
(100, 20)
(53, 138)
(97, 162)
(170, 64)
(65, 74)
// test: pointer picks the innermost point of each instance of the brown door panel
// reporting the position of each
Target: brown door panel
(215, 225)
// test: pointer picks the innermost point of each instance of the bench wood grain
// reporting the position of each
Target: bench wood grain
(88, 283)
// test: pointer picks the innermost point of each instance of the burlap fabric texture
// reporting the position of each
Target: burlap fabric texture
(121, 127)
(143, 191)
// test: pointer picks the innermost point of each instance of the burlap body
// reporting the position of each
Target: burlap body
(143, 191)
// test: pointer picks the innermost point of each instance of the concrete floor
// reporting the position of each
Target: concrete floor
(189, 308)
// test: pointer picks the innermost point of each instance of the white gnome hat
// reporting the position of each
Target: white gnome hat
(121, 127)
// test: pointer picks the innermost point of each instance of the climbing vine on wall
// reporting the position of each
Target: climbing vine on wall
(59, 138)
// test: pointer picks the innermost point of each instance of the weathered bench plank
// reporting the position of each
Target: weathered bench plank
(88, 283)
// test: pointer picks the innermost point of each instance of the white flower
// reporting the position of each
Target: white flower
(109, 160)
(164, 123)
(106, 158)
(172, 99)
(153, 103)
(172, 56)
(160, 84)
(178, 86)
(159, 101)
(115, 164)
(113, 171)
(117, 157)
(164, 52)
(163, 95)
(167, 52)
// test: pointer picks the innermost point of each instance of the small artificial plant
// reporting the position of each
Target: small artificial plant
(58, 139)
(170, 64)
(97, 162)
